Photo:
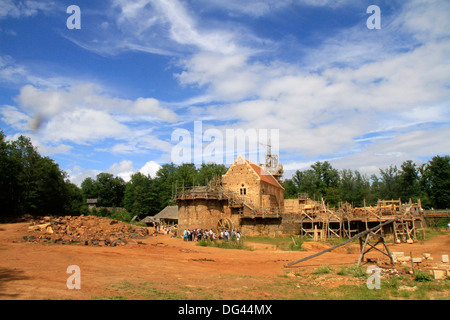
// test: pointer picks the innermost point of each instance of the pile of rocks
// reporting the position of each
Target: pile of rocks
(83, 230)
(437, 269)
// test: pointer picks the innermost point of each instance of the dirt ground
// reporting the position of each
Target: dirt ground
(163, 268)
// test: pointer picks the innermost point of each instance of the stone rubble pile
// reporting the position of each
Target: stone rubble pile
(438, 269)
(84, 230)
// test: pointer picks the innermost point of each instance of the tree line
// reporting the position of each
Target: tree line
(33, 184)
(429, 182)
(144, 195)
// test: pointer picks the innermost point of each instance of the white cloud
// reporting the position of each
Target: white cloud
(150, 168)
(83, 126)
(84, 114)
(326, 104)
(18, 8)
(13, 73)
(324, 113)
(77, 175)
(150, 106)
(228, 77)
(124, 170)
(416, 146)
(163, 27)
(255, 8)
(183, 29)
(50, 102)
(13, 117)
(426, 19)
(45, 149)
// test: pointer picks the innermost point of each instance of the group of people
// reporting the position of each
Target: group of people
(198, 234)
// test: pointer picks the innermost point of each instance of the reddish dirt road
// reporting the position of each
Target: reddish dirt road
(162, 268)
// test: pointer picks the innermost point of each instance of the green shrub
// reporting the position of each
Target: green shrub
(204, 243)
(422, 276)
(356, 271)
(297, 246)
(103, 212)
(323, 269)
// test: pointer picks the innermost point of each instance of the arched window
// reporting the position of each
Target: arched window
(243, 190)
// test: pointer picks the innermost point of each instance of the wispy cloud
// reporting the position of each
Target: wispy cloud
(124, 169)
(345, 97)
(345, 88)
(19, 8)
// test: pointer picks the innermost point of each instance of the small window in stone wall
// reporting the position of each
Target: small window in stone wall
(243, 190)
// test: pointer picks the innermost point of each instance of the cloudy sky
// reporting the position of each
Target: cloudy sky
(111, 96)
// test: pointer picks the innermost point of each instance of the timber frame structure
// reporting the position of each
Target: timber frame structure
(323, 223)
(314, 219)
(250, 198)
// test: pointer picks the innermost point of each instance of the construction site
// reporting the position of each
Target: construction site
(117, 260)
(250, 198)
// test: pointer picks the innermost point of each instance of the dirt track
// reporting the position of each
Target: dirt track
(163, 268)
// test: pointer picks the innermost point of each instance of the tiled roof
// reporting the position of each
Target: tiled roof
(264, 175)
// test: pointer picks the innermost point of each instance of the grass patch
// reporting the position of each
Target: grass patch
(281, 243)
(431, 233)
(392, 288)
(230, 244)
(422, 276)
(325, 269)
(145, 290)
(327, 284)
(356, 271)
(111, 297)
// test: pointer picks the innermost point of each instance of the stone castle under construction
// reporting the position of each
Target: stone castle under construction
(250, 198)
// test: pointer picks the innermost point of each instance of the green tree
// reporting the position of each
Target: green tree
(30, 183)
(409, 182)
(209, 171)
(438, 176)
(140, 197)
(89, 188)
(354, 187)
(321, 179)
(326, 176)
(75, 204)
(305, 182)
(49, 193)
(290, 189)
(110, 189)
(164, 182)
(24, 157)
(389, 186)
(347, 186)
(10, 191)
(187, 174)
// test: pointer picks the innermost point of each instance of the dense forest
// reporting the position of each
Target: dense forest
(429, 182)
(33, 184)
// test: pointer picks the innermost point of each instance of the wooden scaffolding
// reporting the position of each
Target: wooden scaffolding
(317, 221)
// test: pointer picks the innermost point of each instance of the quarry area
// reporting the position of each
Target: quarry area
(123, 261)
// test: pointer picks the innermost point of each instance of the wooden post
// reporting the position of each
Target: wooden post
(366, 243)
(359, 235)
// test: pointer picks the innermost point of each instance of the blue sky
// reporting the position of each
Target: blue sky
(109, 97)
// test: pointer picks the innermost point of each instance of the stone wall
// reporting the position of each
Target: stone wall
(271, 227)
(204, 214)
(240, 177)
(276, 195)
